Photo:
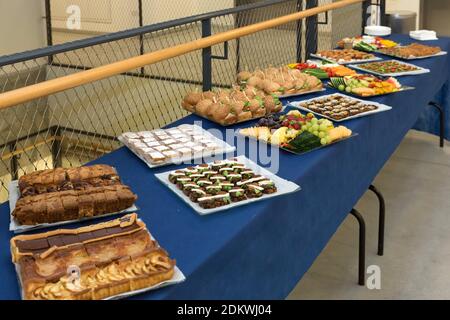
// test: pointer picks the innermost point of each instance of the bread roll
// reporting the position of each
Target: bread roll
(203, 106)
(193, 98)
(243, 76)
(220, 113)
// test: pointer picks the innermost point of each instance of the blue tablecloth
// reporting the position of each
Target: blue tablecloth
(262, 250)
(429, 118)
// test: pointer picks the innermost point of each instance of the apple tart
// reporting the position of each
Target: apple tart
(109, 259)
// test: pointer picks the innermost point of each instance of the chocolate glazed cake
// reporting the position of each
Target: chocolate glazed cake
(114, 257)
(55, 195)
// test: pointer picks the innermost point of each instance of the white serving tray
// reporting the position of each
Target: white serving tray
(442, 53)
(177, 277)
(283, 187)
(381, 107)
(225, 149)
(346, 62)
(394, 74)
(14, 195)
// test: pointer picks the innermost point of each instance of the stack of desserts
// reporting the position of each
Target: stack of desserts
(221, 183)
(55, 195)
(167, 145)
(93, 262)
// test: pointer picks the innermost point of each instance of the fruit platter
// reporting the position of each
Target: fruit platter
(282, 82)
(367, 85)
(367, 43)
(413, 51)
(322, 69)
(338, 107)
(296, 132)
(345, 56)
(392, 68)
(227, 107)
(225, 184)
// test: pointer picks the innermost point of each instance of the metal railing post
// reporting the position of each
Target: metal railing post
(206, 57)
(48, 26)
(383, 20)
(14, 163)
(141, 37)
(56, 148)
(365, 15)
(299, 33)
(311, 29)
(237, 24)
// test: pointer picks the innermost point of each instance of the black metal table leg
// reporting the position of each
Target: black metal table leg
(381, 219)
(442, 122)
(362, 246)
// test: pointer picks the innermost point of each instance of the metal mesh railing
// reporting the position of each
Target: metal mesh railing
(78, 125)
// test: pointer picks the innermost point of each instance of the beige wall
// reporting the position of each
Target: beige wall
(21, 25)
(436, 16)
(101, 16)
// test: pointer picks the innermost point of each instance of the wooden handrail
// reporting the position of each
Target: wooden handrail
(35, 91)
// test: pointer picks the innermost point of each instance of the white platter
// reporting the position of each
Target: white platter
(394, 74)
(177, 277)
(346, 62)
(283, 187)
(381, 107)
(14, 195)
(378, 31)
(225, 148)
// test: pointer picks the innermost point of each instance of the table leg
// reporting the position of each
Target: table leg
(441, 121)
(362, 246)
(381, 219)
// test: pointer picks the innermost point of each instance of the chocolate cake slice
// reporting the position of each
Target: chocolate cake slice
(60, 179)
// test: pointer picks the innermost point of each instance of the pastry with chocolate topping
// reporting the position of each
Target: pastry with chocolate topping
(182, 181)
(247, 174)
(268, 185)
(197, 193)
(175, 175)
(188, 187)
(253, 190)
(214, 189)
(237, 194)
(227, 186)
(214, 201)
(114, 257)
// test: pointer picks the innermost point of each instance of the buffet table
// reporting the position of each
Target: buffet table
(260, 251)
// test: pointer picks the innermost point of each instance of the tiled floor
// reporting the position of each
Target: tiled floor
(416, 263)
